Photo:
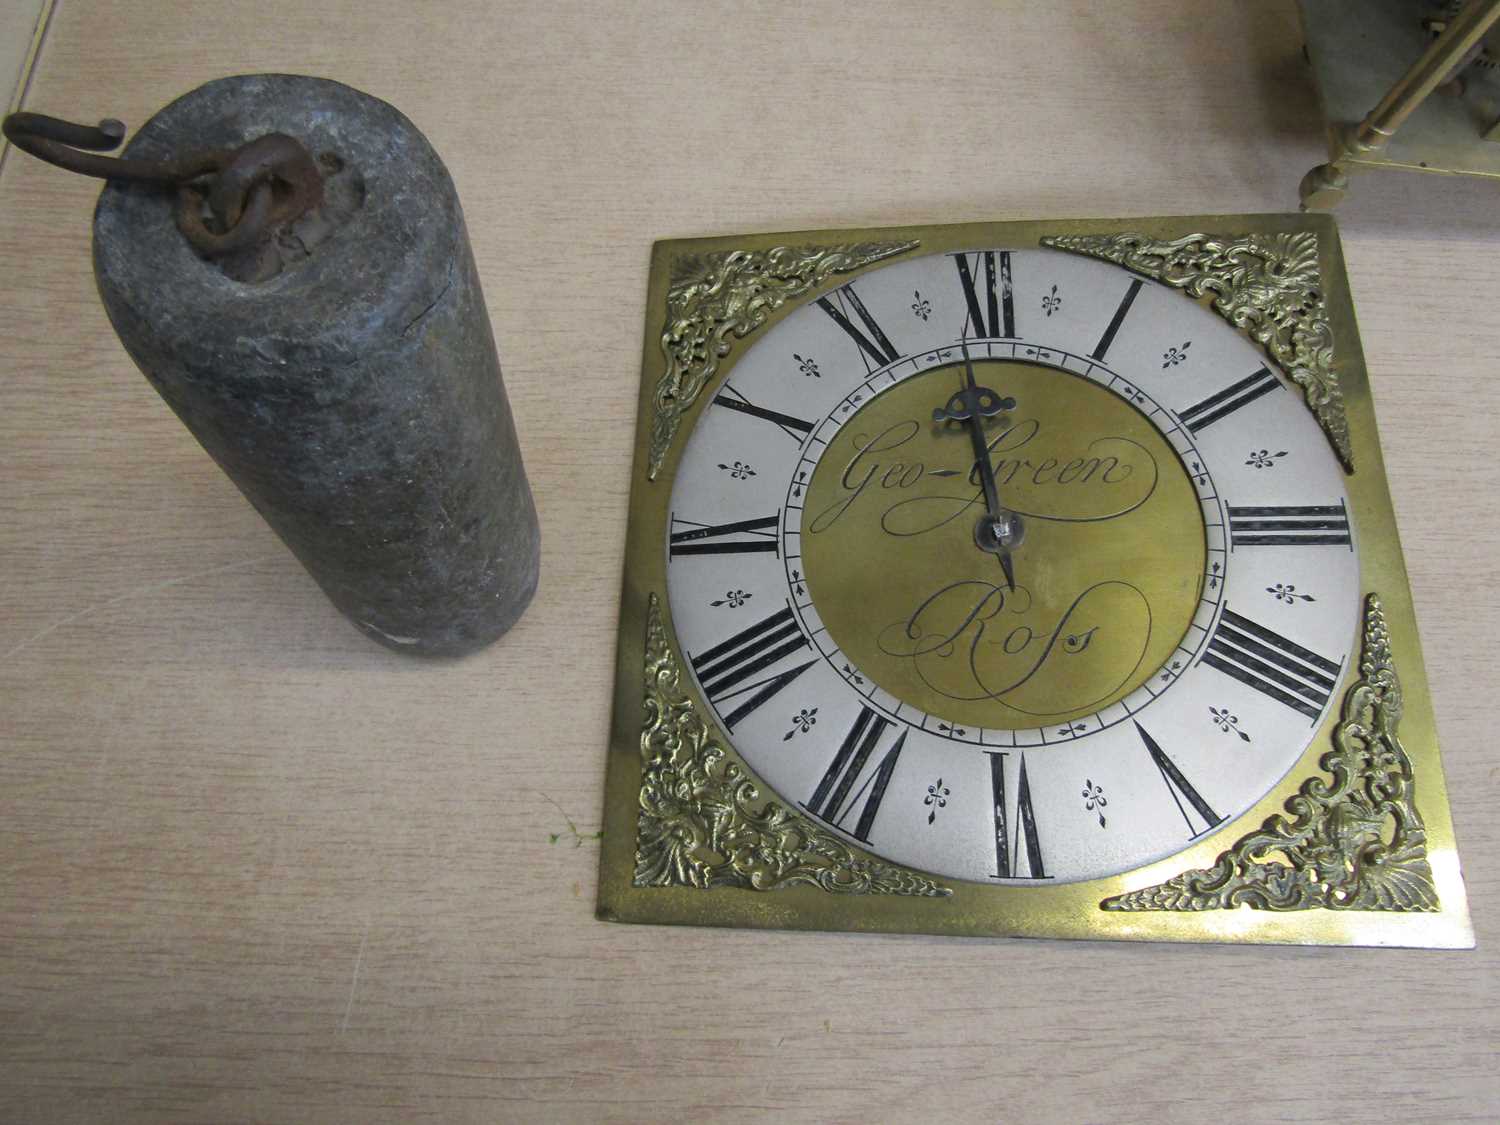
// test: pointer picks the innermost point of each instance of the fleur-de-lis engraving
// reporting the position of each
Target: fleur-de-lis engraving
(807, 366)
(739, 470)
(1051, 302)
(1175, 355)
(1288, 593)
(733, 599)
(1094, 800)
(802, 722)
(1264, 458)
(1229, 724)
(937, 798)
(921, 307)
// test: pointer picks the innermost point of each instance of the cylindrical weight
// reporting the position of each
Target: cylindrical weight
(354, 395)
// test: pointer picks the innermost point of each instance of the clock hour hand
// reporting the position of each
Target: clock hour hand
(1006, 566)
(998, 529)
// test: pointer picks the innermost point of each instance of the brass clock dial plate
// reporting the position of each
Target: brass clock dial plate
(824, 655)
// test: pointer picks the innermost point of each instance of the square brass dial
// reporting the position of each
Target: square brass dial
(1353, 845)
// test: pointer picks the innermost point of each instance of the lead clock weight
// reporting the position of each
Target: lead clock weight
(346, 378)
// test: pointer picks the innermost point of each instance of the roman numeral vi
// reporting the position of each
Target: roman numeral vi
(1018, 846)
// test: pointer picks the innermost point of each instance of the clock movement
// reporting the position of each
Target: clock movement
(1020, 579)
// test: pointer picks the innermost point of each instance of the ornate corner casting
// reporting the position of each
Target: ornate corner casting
(1355, 844)
(1266, 284)
(703, 822)
(716, 299)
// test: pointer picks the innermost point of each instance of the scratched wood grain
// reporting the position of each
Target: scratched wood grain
(253, 868)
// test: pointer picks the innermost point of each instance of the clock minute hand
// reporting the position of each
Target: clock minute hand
(986, 469)
(991, 531)
(999, 528)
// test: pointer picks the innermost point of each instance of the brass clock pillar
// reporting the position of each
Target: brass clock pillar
(1356, 49)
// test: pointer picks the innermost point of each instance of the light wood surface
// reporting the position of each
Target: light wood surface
(253, 868)
(20, 21)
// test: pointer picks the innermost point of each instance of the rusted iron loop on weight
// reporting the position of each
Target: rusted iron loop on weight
(264, 184)
(260, 186)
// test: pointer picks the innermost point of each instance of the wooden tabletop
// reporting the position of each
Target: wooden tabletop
(254, 868)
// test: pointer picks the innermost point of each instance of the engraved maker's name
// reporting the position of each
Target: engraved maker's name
(1107, 478)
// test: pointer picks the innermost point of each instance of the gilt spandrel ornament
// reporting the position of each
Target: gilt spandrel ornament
(1357, 843)
(717, 299)
(703, 822)
(1266, 284)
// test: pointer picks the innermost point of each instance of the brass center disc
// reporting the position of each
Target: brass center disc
(1108, 575)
